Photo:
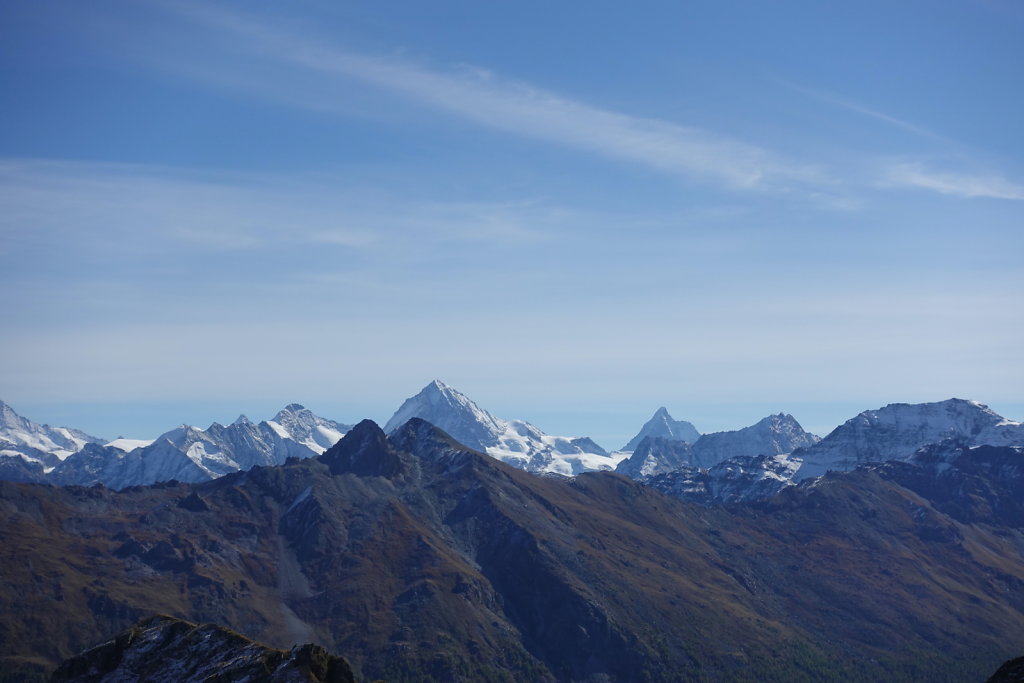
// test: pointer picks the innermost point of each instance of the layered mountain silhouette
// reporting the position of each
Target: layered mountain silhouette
(747, 463)
(774, 435)
(422, 559)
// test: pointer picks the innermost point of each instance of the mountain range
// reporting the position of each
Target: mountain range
(898, 430)
(186, 453)
(420, 559)
(774, 435)
(747, 463)
(779, 454)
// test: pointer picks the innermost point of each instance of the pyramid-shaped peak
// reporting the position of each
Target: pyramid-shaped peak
(438, 389)
(293, 408)
(437, 393)
(451, 411)
(662, 425)
(242, 420)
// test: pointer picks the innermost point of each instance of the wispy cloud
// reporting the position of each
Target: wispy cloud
(489, 100)
(838, 101)
(141, 210)
(918, 175)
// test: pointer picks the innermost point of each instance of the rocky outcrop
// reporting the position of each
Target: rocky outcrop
(1010, 672)
(162, 648)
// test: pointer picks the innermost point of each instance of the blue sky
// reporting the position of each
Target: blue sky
(572, 212)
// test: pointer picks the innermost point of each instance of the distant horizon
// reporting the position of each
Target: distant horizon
(98, 415)
(730, 209)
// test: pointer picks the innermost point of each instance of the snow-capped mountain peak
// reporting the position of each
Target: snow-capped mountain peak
(11, 420)
(453, 412)
(773, 435)
(662, 426)
(21, 437)
(513, 441)
(189, 453)
(298, 423)
(898, 430)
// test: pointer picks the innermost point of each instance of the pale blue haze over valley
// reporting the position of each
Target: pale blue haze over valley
(572, 212)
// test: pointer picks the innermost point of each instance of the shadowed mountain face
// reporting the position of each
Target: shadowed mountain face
(166, 649)
(422, 560)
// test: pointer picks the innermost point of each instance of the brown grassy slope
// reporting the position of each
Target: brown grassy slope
(456, 567)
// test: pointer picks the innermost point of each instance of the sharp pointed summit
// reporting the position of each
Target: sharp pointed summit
(514, 441)
(455, 413)
(661, 425)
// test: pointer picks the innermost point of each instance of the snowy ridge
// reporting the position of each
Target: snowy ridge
(20, 437)
(191, 454)
(898, 430)
(739, 478)
(515, 442)
(774, 435)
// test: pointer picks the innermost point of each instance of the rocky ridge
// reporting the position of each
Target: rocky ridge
(163, 648)
(35, 443)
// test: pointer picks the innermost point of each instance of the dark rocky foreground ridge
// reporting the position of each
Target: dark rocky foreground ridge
(422, 560)
(163, 648)
(1010, 672)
